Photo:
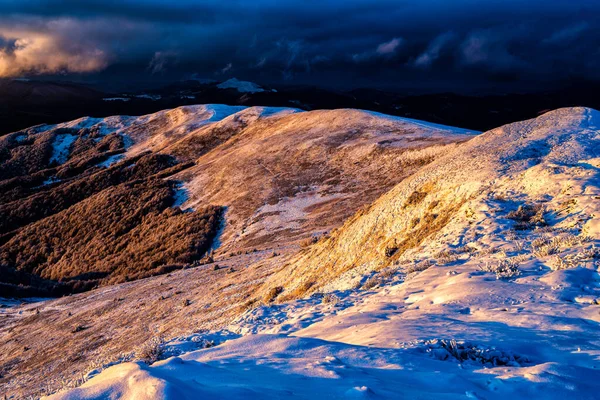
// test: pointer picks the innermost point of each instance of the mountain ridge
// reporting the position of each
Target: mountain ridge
(501, 299)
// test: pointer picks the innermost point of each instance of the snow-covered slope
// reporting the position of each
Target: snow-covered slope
(476, 278)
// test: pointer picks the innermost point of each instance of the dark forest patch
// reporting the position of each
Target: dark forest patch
(123, 233)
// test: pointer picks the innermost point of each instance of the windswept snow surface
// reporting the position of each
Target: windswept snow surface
(241, 86)
(435, 325)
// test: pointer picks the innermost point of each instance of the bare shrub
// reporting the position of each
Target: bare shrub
(387, 273)
(511, 234)
(504, 269)
(151, 351)
(519, 245)
(446, 257)
(585, 238)
(418, 267)
(544, 247)
(463, 351)
(568, 240)
(528, 216)
(487, 251)
(330, 298)
(570, 261)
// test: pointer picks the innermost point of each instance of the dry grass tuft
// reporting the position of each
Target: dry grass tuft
(272, 294)
(330, 298)
(415, 198)
(418, 267)
(371, 283)
(576, 260)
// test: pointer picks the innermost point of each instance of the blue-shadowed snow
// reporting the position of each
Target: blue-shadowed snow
(111, 160)
(216, 242)
(61, 148)
(51, 180)
(180, 197)
(20, 138)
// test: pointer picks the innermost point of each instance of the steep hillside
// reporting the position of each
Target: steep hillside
(525, 163)
(477, 277)
(279, 175)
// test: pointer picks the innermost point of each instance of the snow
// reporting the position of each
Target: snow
(116, 99)
(450, 330)
(241, 86)
(288, 213)
(9, 302)
(216, 242)
(181, 196)
(423, 124)
(111, 160)
(50, 181)
(61, 148)
(221, 111)
(20, 138)
(272, 111)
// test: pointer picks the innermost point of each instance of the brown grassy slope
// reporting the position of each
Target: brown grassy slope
(286, 177)
(41, 351)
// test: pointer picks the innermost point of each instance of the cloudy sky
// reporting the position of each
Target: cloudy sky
(444, 44)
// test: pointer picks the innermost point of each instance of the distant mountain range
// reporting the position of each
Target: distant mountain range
(24, 103)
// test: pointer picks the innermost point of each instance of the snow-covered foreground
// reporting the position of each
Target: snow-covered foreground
(502, 301)
(526, 338)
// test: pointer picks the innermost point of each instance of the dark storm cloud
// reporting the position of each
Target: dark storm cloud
(352, 41)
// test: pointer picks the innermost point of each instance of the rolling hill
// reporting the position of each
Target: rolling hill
(475, 277)
(76, 192)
